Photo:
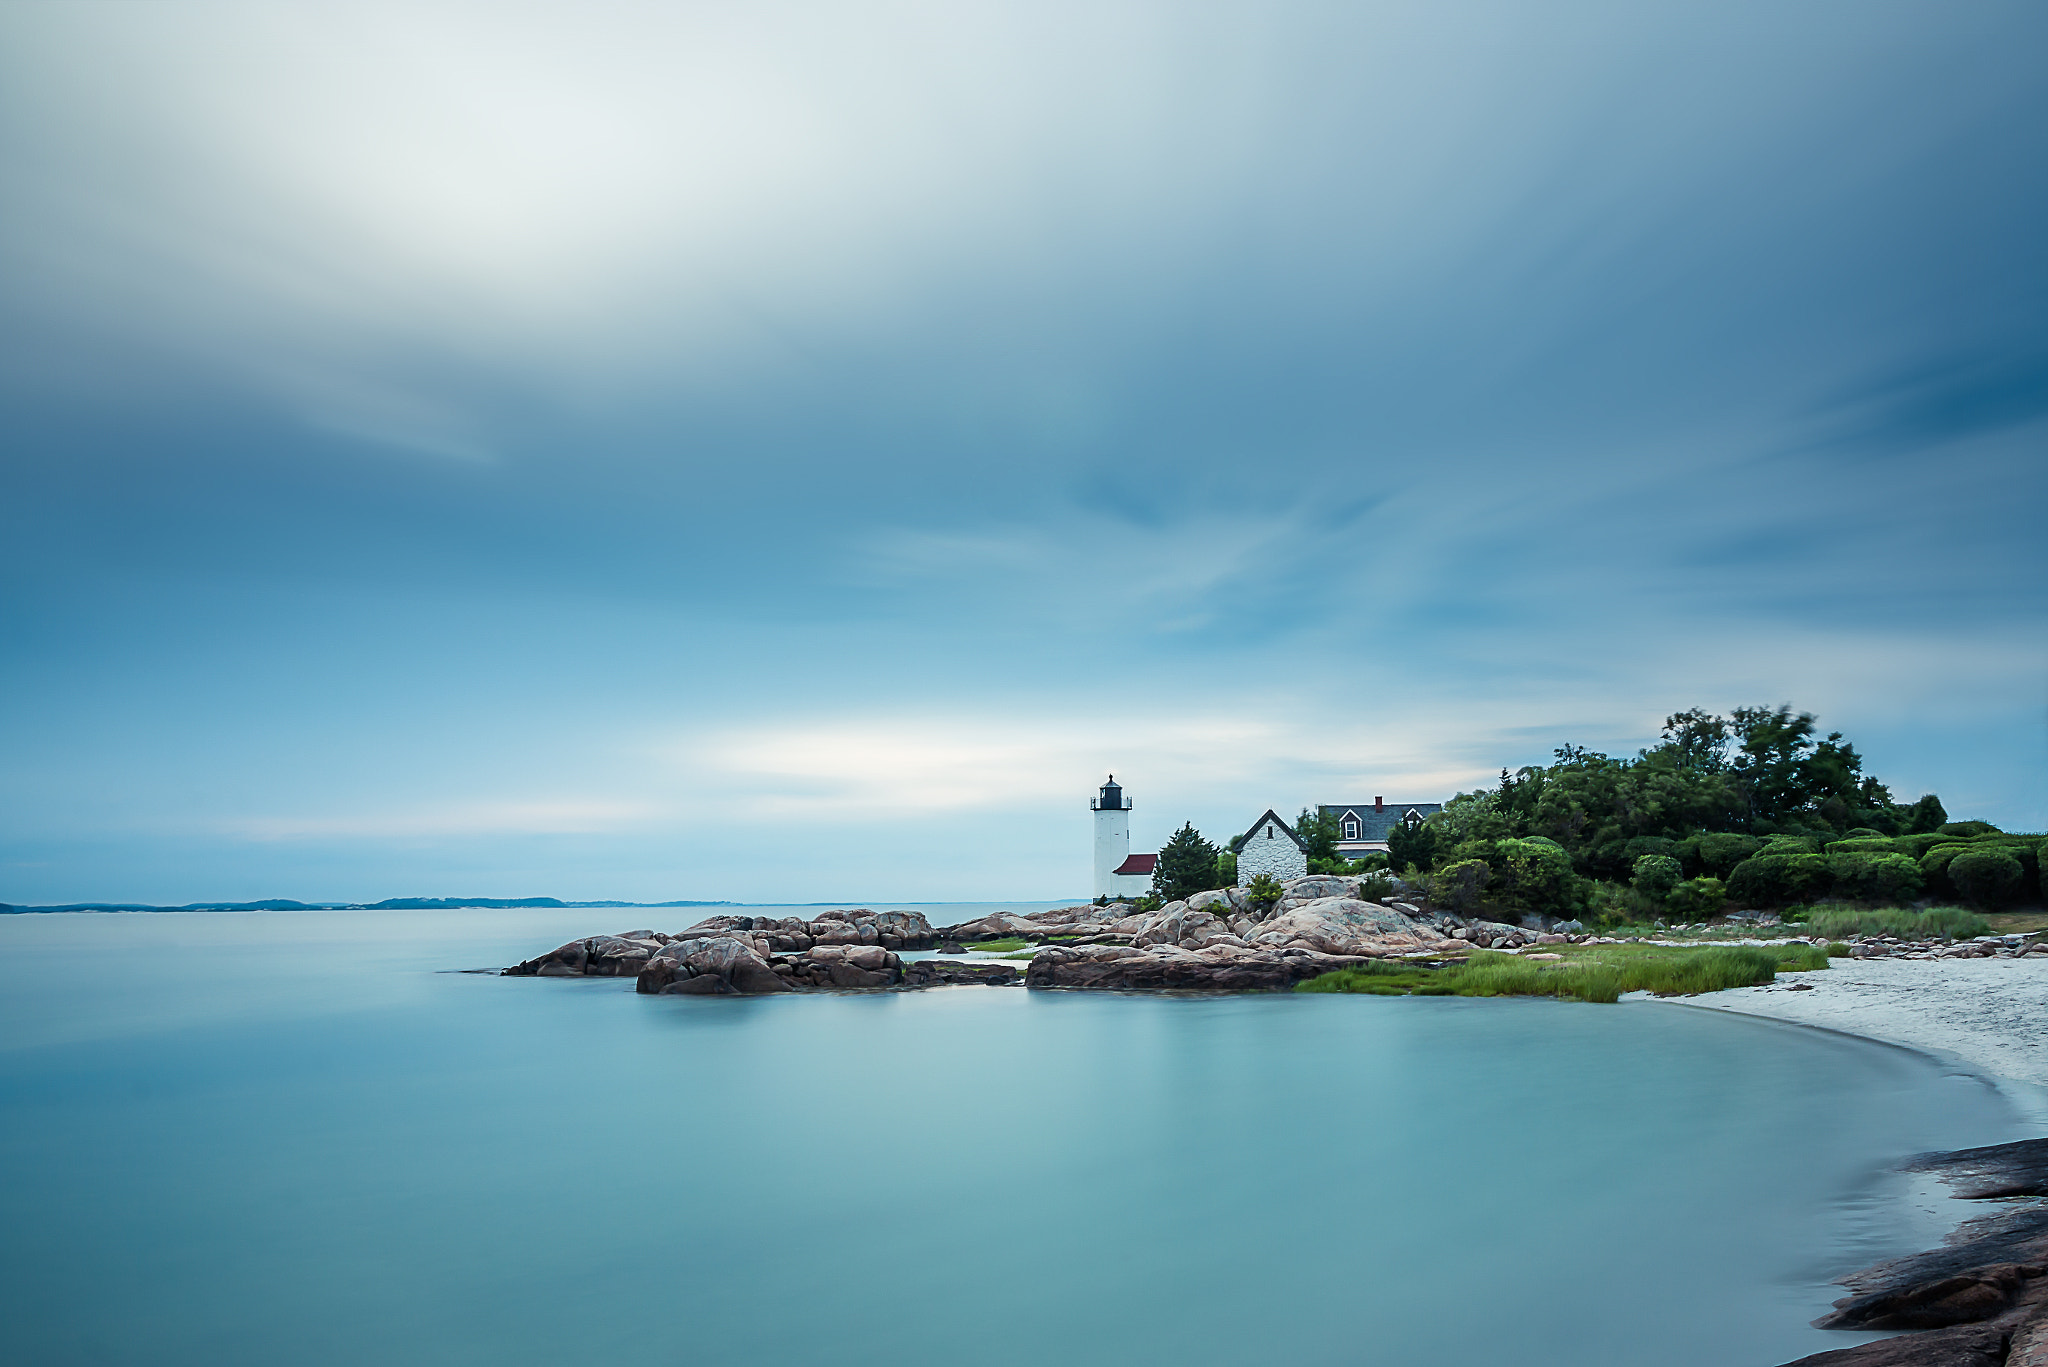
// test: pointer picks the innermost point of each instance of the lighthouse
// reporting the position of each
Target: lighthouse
(1118, 872)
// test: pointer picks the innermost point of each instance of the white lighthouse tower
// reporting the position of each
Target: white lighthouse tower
(1118, 872)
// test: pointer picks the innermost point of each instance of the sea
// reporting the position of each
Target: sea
(321, 1138)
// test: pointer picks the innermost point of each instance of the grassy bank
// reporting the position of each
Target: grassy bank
(1600, 974)
(1936, 923)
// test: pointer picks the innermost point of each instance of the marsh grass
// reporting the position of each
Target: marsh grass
(1936, 923)
(1591, 977)
(1001, 946)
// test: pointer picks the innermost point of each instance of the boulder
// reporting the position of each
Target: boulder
(1345, 925)
(728, 958)
(1178, 924)
(1220, 967)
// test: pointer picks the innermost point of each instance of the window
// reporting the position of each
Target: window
(1351, 830)
(1269, 832)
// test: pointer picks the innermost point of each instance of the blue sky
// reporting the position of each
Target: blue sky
(794, 452)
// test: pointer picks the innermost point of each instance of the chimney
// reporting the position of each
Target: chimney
(1379, 804)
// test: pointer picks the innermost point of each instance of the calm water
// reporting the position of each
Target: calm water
(299, 1138)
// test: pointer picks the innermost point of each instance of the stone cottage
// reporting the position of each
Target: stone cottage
(1270, 847)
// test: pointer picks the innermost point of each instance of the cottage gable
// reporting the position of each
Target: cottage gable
(1270, 847)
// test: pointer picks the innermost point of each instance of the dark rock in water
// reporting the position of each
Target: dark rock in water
(1230, 968)
(1982, 1297)
(1985, 1267)
(1972, 1345)
(1992, 1172)
(939, 973)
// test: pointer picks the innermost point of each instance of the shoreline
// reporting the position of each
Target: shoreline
(1987, 1016)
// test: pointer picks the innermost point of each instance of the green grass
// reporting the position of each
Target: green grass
(1593, 976)
(1936, 923)
(999, 946)
(1837, 950)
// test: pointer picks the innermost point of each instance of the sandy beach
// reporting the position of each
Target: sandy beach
(1991, 1014)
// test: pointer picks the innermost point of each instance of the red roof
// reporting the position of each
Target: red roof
(1139, 863)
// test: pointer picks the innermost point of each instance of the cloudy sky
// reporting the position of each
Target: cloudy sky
(794, 451)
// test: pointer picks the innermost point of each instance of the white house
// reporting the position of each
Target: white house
(1270, 847)
(1119, 874)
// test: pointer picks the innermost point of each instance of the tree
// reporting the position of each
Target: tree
(1925, 816)
(1187, 865)
(1318, 831)
(1656, 875)
(1413, 847)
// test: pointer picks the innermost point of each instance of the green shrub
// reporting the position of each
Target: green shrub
(1535, 874)
(1263, 891)
(1773, 879)
(1697, 899)
(1719, 854)
(1864, 845)
(1937, 923)
(1838, 950)
(1226, 869)
(1378, 887)
(1969, 828)
(1875, 877)
(1986, 877)
(1461, 885)
(1656, 875)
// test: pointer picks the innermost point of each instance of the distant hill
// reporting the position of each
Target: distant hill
(388, 904)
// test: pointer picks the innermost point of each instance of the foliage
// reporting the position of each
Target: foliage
(1319, 833)
(1838, 950)
(1666, 972)
(1264, 890)
(1697, 899)
(1226, 869)
(1936, 923)
(1986, 877)
(1187, 865)
(1415, 849)
(1147, 904)
(1721, 851)
(1873, 877)
(1460, 885)
(1772, 880)
(1656, 875)
(1378, 887)
(1001, 944)
(1926, 815)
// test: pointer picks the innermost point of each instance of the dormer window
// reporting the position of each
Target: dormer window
(1351, 830)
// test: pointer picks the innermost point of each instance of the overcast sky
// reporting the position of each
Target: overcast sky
(794, 452)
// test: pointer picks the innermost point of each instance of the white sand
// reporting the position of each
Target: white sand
(1991, 1014)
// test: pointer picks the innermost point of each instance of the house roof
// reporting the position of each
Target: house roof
(1374, 825)
(1138, 863)
(1274, 817)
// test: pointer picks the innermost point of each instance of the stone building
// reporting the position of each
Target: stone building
(1270, 847)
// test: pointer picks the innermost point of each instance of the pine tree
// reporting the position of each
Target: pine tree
(1187, 865)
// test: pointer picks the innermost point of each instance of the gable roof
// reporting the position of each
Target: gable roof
(1374, 825)
(1273, 817)
(1138, 863)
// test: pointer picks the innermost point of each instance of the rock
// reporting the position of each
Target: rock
(1217, 901)
(1992, 1173)
(1217, 968)
(2030, 1343)
(1177, 924)
(937, 973)
(734, 963)
(1967, 1346)
(1345, 925)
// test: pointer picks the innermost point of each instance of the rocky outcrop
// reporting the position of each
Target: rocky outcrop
(1345, 925)
(1216, 968)
(1982, 1297)
(1215, 940)
(718, 966)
